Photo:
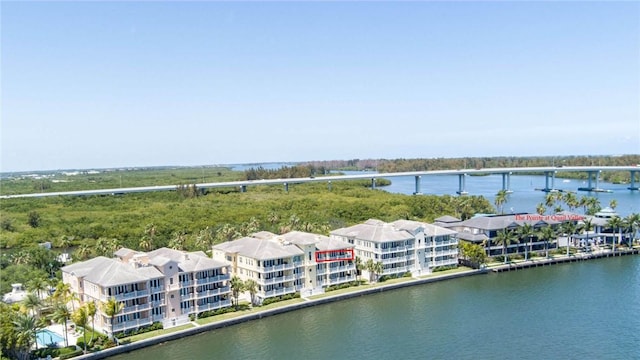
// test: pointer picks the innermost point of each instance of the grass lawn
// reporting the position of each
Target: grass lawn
(236, 314)
(155, 333)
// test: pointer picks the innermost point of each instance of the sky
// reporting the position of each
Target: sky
(125, 84)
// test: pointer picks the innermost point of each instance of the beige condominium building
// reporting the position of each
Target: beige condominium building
(402, 246)
(163, 285)
(289, 263)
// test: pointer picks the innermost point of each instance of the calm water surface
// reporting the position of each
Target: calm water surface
(587, 310)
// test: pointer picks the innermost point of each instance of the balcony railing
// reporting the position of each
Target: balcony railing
(213, 306)
(395, 260)
(209, 293)
(280, 267)
(281, 291)
(126, 295)
(134, 324)
(213, 279)
(187, 296)
(342, 268)
(135, 308)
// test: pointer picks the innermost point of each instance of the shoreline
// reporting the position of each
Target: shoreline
(307, 302)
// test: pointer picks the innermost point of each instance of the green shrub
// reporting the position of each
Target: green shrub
(71, 354)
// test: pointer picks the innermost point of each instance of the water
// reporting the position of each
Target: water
(585, 310)
(524, 197)
(46, 337)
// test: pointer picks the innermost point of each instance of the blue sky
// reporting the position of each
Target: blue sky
(117, 84)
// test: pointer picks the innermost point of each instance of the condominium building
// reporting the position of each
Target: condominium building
(402, 246)
(289, 263)
(163, 285)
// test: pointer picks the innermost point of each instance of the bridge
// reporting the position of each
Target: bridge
(593, 175)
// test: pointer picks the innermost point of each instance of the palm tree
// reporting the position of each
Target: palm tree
(90, 308)
(80, 318)
(60, 315)
(586, 226)
(237, 285)
(501, 199)
(111, 308)
(178, 241)
(547, 234)
(505, 237)
(616, 224)
(633, 221)
(38, 285)
(32, 304)
(613, 204)
(204, 239)
(540, 209)
(252, 287)
(569, 228)
(26, 328)
(377, 269)
(65, 242)
(83, 251)
(359, 267)
(550, 200)
(526, 232)
(571, 200)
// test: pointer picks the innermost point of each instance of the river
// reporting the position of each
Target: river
(585, 310)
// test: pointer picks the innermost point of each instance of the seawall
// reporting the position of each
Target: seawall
(266, 313)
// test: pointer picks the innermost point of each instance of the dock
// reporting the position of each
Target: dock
(560, 259)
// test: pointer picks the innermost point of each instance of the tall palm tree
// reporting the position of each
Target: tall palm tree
(80, 318)
(111, 308)
(505, 237)
(26, 328)
(60, 315)
(90, 308)
(616, 224)
(547, 234)
(377, 269)
(526, 232)
(359, 267)
(569, 228)
(237, 285)
(32, 304)
(586, 226)
(252, 287)
(633, 221)
(37, 285)
(204, 239)
(550, 200)
(540, 209)
(501, 199)
(571, 200)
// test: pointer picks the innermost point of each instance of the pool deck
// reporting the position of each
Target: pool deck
(59, 330)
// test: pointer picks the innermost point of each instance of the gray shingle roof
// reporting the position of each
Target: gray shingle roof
(375, 231)
(110, 272)
(186, 261)
(259, 249)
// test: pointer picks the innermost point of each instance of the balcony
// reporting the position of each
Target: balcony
(341, 280)
(399, 259)
(209, 293)
(281, 291)
(135, 308)
(155, 304)
(129, 295)
(443, 263)
(130, 325)
(187, 296)
(213, 306)
(280, 267)
(342, 268)
(157, 289)
(213, 279)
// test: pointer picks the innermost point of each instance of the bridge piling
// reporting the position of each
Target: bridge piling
(632, 183)
(417, 192)
(462, 184)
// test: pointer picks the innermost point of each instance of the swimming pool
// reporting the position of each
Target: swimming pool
(46, 337)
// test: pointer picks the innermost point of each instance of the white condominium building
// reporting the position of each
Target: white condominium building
(289, 263)
(163, 285)
(402, 246)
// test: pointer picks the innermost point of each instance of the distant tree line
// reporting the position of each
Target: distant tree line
(424, 164)
(285, 172)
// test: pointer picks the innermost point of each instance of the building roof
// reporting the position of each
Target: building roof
(606, 213)
(187, 262)
(499, 222)
(428, 229)
(375, 231)
(110, 272)
(302, 238)
(254, 248)
(447, 219)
